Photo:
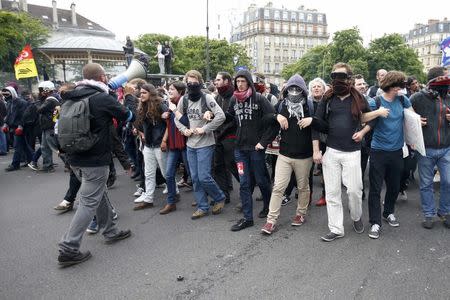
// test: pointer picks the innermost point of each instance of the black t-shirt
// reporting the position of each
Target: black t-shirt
(341, 124)
(295, 142)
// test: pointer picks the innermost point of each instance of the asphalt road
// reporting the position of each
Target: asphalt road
(407, 262)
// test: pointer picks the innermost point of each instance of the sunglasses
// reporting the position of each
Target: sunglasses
(339, 75)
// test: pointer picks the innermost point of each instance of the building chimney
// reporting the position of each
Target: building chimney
(23, 5)
(74, 14)
(55, 15)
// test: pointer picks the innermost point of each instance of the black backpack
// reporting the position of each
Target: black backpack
(74, 126)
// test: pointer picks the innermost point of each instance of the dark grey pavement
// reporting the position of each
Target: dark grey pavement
(407, 262)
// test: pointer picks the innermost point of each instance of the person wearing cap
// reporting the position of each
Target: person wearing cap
(46, 121)
(433, 105)
(14, 124)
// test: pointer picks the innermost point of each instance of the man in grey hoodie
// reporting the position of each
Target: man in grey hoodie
(296, 151)
(199, 130)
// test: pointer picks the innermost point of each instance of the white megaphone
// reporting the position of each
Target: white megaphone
(135, 70)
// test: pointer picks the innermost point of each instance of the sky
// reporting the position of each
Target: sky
(182, 18)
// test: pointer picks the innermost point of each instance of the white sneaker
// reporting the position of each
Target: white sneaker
(402, 196)
(166, 190)
(437, 177)
(374, 232)
(138, 192)
(141, 198)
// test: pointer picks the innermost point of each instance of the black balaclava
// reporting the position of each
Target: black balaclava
(341, 87)
(194, 91)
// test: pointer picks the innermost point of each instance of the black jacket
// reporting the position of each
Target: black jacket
(103, 108)
(436, 133)
(154, 131)
(2, 112)
(229, 126)
(45, 111)
(256, 118)
(15, 110)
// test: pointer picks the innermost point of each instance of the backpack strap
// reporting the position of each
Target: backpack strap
(185, 104)
(204, 105)
(310, 107)
(280, 106)
(377, 101)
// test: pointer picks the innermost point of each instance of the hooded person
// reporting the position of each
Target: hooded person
(433, 106)
(257, 128)
(16, 107)
(296, 151)
(224, 162)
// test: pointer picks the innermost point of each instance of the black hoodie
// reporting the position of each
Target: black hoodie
(256, 117)
(228, 128)
(103, 107)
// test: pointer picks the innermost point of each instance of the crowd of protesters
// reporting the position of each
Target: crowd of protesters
(240, 128)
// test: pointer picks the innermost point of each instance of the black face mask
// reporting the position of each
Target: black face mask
(442, 90)
(341, 87)
(194, 91)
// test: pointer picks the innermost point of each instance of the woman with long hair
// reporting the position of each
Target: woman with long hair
(151, 128)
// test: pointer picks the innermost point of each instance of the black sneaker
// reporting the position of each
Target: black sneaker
(428, 223)
(285, 200)
(242, 224)
(123, 234)
(65, 260)
(358, 226)
(447, 221)
(47, 170)
(263, 213)
(331, 236)
(11, 168)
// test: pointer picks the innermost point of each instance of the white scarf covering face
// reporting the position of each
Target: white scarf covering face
(295, 106)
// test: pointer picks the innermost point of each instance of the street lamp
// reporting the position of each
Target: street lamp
(207, 42)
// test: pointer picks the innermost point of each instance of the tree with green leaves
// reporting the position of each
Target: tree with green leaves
(189, 53)
(17, 30)
(390, 52)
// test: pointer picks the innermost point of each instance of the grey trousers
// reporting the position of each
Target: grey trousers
(93, 201)
(47, 155)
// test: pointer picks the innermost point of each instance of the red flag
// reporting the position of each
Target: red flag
(24, 54)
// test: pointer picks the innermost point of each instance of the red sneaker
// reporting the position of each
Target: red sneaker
(321, 202)
(268, 228)
(298, 220)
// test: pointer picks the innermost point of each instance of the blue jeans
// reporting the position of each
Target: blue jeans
(21, 146)
(441, 159)
(200, 160)
(252, 162)
(3, 144)
(172, 160)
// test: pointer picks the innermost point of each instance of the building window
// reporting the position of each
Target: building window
(276, 15)
(267, 26)
(293, 16)
(277, 68)
(302, 41)
(266, 14)
(320, 18)
(267, 68)
(309, 18)
(301, 16)
(414, 33)
(277, 52)
(309, 29)
(285, 15)
(277, 41)
(293, 41)
(302, 29)
(285, 28)
(277, 27)
(256, 14)
(319, 30)
(285, 41)
(267, 52)
(426, 29)
(267, 41)
(285, 54)
(293, 28)
(294, 54)
(441, 27)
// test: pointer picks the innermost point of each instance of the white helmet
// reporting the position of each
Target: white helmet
(47, 86)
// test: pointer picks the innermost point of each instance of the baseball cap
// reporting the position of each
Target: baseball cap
(46, 86)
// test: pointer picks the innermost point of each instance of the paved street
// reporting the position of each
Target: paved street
(407, 262)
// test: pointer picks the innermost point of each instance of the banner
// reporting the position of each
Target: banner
(445, 48)
(24, 65)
